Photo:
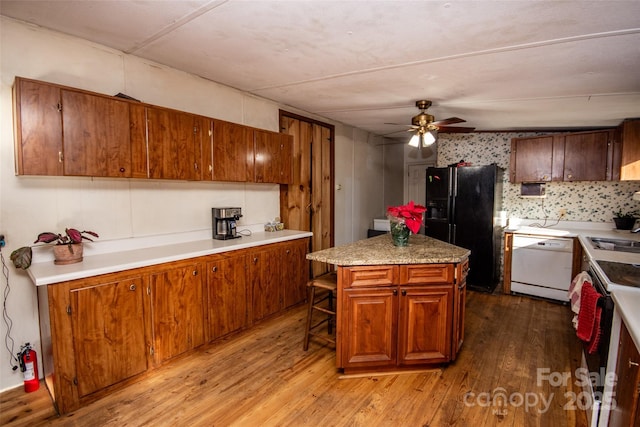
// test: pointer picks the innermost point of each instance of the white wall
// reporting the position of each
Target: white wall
(121, 208)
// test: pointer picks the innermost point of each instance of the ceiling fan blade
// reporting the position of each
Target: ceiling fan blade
(455, 129)
(449, 121)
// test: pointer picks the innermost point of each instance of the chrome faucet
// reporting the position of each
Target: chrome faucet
(636, 230)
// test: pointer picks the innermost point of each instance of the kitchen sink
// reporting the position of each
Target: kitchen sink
(621, 245)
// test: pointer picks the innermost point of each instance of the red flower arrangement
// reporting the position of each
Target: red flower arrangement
(409, 214)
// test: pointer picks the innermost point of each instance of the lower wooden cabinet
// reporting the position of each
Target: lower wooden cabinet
(227, 294)
(100, 333)
(295, 272)
(425, 324)
(627, 389)
(107, 324)
(400, 316)
(93, 334)
(177, 311)
(369, 327)
(265, 276)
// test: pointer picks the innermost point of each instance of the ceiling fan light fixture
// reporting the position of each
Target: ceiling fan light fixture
(429, 138)
(423, 138)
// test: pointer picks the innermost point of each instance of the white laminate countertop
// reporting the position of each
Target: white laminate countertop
(159, 251)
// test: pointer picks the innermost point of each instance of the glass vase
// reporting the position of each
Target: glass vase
(399, 233)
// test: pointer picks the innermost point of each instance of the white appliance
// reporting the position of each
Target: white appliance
(541, 266)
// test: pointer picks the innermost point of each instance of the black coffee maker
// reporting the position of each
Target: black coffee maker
(224, 222)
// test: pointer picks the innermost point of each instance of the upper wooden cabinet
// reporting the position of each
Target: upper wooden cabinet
(95, 135)
(66, 131)
(582, 156)
(588, 156)
(175, 142)
(272, 157)
(626, 162)
(38, 128)
(230, 155)
(531, 159)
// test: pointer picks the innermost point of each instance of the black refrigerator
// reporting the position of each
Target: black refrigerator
(462, 209)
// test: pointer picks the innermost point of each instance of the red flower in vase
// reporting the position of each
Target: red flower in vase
(410, 214)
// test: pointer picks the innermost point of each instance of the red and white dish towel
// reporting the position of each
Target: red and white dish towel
(589, 317)
(575, 291)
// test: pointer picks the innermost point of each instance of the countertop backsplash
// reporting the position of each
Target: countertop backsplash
(589, 201)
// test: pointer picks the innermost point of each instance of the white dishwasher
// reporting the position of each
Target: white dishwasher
(541, 266)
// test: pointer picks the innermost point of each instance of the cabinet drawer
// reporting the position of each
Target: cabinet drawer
(421, 274)
(370, 276)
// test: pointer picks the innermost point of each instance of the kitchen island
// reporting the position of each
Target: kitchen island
(398, 308)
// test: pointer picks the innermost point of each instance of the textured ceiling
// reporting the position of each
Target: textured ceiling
(501, 65)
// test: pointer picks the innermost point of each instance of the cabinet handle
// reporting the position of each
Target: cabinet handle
(404, 292)
(132, 287)
(395, 292)
(195, 272)
(214, 269)
(60, 157)
(632, 363)
(255, 260)
(122, 170)
(288, 251)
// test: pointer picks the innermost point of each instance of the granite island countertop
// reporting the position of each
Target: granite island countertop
(380, 250)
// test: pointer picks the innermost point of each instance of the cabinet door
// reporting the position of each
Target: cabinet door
(266, 156)
(459, 304)
(174, 144)
(369, 327)
(38, 128)
(96, 135)
(177, 310)
(232, 153)
(227, 295)
(265, 273)
(628, 153)
(531, 159)
(627, 388)
(108, 333)
(272, 157)
(295, 272)
(424, 326)
(585, 156)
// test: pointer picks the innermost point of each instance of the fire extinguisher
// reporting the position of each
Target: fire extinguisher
(28, 360)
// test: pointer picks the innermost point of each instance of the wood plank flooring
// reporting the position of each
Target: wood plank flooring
(263, 378)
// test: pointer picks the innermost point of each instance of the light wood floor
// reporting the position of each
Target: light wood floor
(263, 378)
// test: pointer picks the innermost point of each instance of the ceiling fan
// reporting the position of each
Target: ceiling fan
(425, 128)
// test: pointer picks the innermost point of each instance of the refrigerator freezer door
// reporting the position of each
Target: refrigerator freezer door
(473, 216)
(438, 214)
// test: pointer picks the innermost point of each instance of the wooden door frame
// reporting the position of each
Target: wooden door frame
(283, 113)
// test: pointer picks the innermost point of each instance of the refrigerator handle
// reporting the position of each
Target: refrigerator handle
(454, 182)
(453, 235)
